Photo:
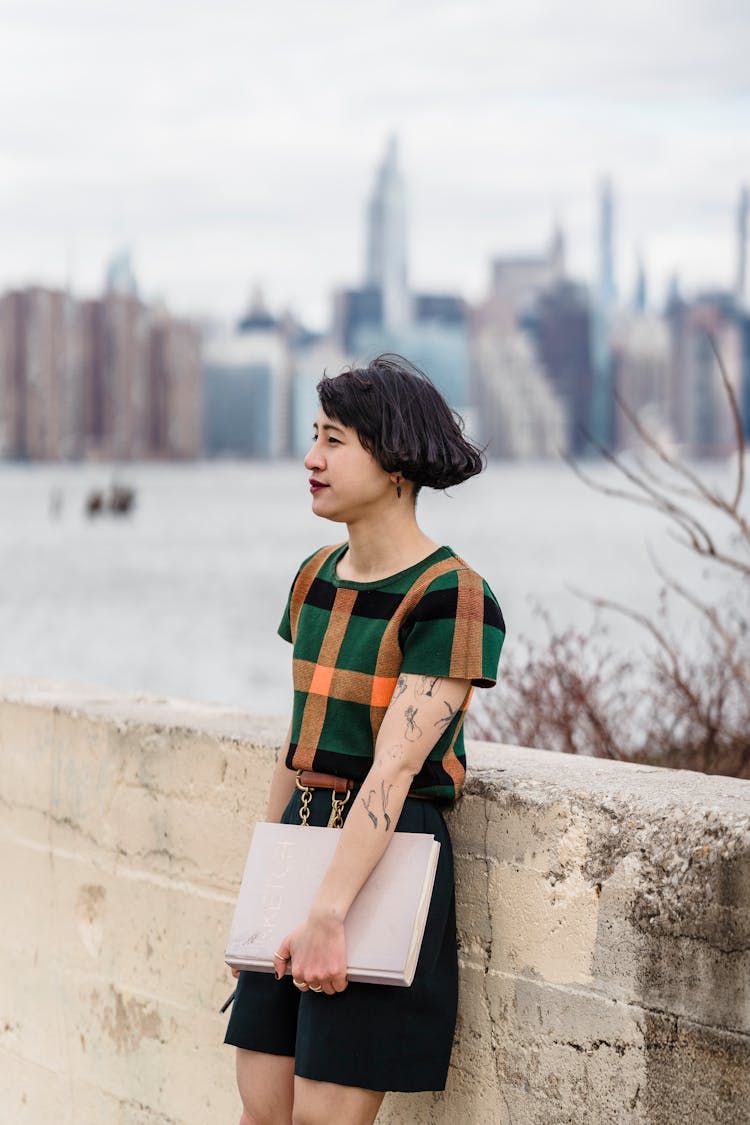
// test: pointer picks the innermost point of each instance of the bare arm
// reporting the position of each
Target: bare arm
(420, 710)
(282, 783)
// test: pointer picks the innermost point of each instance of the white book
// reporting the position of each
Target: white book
(385, 924)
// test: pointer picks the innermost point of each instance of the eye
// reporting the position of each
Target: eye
(333, 441)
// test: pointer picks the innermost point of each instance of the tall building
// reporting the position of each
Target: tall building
(740, 286)
(124, 374)
(522, 412)
(386, 268)
(519, 415)
(354, 310)
(561, 328)
(601, 421)
(742, 300)
(745, 406)
(38, 385)
(248, 375)
(517, 280)
(384, 316)
(13, 338)
(702, 419)
(640, 296)
(174, 407)
(642, 372)
(52, 407)
(120, 276)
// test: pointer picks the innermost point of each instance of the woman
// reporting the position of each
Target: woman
(391, 632)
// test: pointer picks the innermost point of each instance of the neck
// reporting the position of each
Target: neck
(384, 546)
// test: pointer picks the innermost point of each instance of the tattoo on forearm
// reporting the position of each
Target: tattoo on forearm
(446, 720)
(412, 732)
(428, 685)
(370, 813)
(400, 687)
(385, 796)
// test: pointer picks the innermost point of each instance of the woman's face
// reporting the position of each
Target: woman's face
(346, 481)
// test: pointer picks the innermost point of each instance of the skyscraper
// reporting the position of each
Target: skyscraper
(640, 296)
(602, 402)
(120, 277)
(386, 269)
(740, 293)
(742, 303)
(382, 315)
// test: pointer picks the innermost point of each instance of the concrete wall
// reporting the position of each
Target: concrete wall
(604, 915)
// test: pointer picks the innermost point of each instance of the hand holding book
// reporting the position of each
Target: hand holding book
(383, 930)
(316, 952)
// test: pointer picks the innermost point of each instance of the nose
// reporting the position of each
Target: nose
(314, 459)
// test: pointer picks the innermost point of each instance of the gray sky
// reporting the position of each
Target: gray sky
(230, 144)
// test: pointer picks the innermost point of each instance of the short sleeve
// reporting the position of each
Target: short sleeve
(285, 625)
(456, 630)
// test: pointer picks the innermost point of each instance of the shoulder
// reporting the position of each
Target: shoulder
(302, 583)
(457, 591)
(317, 560)
(455, 628)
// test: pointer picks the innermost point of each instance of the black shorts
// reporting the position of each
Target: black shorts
(380, 1037)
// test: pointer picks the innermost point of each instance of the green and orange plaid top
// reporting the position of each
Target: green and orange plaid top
(352, 640)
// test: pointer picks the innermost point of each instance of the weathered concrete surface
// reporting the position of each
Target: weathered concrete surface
(604, 917)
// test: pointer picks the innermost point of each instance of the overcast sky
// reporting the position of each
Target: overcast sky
(235, 144)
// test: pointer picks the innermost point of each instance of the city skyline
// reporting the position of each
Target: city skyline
(229, 148)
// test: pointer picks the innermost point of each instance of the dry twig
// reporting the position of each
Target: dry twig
(693, 714)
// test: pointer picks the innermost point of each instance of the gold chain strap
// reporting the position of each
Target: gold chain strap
(336, 820)
(304, 812)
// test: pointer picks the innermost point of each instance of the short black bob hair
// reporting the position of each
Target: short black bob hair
(403, 421)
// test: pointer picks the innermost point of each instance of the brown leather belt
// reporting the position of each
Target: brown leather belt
(311, 779)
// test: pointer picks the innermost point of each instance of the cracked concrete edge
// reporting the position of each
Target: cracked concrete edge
(141, 709)
(540, 775)
(686, 835)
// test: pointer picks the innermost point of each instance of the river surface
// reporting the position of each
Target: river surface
(183, 596)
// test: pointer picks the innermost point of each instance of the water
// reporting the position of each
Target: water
(183, 597)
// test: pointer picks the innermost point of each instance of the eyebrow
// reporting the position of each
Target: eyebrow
(328, 426)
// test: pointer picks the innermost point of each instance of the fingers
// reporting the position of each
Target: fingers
(283, 953)
(330, 987)
(281, 959)
(236, 973)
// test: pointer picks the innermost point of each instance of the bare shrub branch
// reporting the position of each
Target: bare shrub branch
(673, 709)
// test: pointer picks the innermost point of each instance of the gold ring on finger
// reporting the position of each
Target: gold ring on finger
(301, 984)
(315, 987)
